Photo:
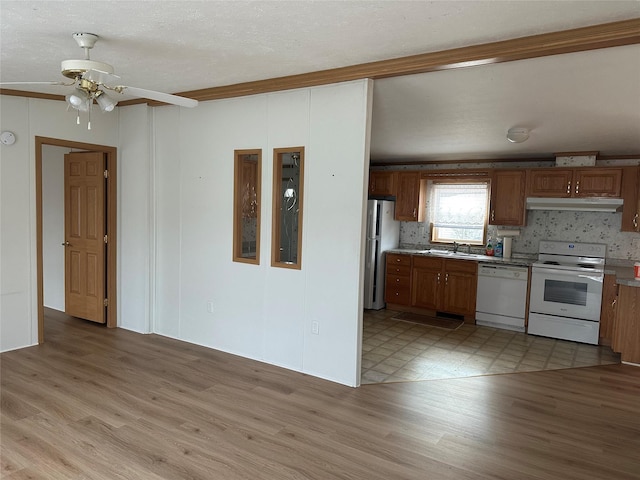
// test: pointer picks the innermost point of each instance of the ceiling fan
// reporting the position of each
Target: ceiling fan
(92, 80)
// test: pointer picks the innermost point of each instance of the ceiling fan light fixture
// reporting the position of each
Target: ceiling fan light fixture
(79, 100)
(517, 135)
(106, 103)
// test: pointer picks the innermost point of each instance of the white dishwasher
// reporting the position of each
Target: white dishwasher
(502, 296)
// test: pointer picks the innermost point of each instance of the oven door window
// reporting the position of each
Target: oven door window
(560, 291)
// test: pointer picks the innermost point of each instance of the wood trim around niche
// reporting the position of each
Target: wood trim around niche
(593, 37)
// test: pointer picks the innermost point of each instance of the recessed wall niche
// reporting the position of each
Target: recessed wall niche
(246, 206)
(288, 181)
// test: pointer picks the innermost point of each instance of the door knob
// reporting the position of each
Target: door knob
(65, 244)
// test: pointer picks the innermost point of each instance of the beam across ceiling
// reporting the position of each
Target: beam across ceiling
(625, 32)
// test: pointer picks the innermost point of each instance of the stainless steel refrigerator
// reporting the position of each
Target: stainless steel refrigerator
(383, 233)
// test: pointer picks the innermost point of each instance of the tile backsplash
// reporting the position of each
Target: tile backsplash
(586, 227)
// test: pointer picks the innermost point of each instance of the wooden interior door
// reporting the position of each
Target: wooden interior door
(84, 219)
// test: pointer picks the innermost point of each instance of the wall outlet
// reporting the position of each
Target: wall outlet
(315, 328)
(210, 307)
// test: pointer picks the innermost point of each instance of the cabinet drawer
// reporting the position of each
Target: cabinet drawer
(398, 259)
(431, 263)
(398, 281)
(403, 270)
(464, 266)
(399, 295)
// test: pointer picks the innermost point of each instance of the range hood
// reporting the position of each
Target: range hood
(598, 204)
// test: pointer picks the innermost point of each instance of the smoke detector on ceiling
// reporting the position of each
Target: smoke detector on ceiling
(517, 134)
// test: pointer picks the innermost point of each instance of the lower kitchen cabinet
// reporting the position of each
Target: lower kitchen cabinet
(460, 283)
(398, 279)
(426, 276)
(608, 309)
(626, 329)
(444, 285)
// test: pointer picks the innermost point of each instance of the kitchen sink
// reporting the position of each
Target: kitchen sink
(449, 253)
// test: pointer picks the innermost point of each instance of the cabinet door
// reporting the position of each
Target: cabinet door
(460, 285)
(508, 198)
(426, 288)
(597, 182)
(426, 281)
(631, 196)
(382, 183)
(550, 182)
(410, 200)
(627, 328)
(608, 309)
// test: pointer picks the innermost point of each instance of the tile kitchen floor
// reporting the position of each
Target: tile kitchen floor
(399, 351)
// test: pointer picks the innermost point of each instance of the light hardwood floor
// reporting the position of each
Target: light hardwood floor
(93, 403)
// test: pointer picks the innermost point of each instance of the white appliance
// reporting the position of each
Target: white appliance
(501, 300)
(383, 233)
(566, 291)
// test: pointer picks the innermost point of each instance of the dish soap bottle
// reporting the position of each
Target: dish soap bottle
(489, 249)
(499, 247)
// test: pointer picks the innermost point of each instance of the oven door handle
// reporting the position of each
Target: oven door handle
(598, 277)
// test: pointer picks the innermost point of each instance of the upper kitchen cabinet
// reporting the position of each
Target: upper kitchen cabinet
(507, 198)
(382, 184)
(575, 182)
(631, 196)
(410, 197)
(597, 182)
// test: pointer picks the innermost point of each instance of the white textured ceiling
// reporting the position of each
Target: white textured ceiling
(179, 46)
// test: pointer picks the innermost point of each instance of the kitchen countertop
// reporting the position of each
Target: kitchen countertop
(623, 270)
(516, 259)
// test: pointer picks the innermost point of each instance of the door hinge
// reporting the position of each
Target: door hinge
(106, 302)
(105, 239)
(106, 174)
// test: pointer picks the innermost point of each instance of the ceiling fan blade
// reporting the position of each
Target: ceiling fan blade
(159, 96)
(3, 84)
(100, 77)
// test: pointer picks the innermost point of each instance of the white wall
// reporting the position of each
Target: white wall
(53, 225)
(175, 191)
(29, 118)
(134, 218)
(262, 312)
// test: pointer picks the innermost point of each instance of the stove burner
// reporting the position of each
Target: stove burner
(549, 262)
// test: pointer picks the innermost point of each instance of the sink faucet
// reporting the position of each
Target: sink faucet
(456, 245)
(468, 248)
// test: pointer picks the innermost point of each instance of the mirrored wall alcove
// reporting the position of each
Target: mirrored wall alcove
(246, 206)
(288, 181)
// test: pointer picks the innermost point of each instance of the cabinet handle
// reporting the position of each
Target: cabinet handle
(613, 304)
(577, 186)
(397, 280)
(493, 215)
(438, 278)
(415, 213)
(397, 259)
(569, 187)
(635, 221)
(446, 279)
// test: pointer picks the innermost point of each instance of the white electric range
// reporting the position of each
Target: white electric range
(566, 291)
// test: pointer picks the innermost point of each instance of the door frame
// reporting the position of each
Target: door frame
(111, 217)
